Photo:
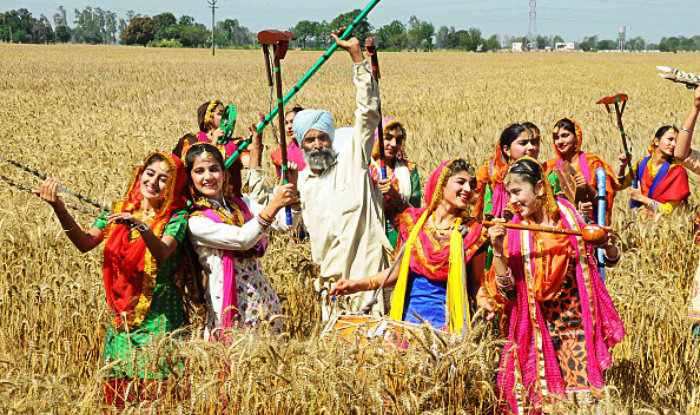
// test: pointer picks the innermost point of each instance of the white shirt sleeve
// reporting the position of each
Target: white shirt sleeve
(358, 150)
(205, 232)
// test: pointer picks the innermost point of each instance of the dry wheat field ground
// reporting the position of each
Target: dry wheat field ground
(87, 115)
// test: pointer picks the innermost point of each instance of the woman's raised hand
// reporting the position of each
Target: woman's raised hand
(48, 194)
(624, 160)
(285, 194)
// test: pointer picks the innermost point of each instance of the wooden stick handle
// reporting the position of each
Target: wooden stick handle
(535, 228)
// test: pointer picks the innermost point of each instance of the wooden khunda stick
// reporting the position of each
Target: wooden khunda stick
(592, 234)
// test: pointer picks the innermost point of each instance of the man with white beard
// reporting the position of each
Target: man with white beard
(342, 209)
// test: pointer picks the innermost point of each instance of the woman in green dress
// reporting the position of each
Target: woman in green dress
(142, 233)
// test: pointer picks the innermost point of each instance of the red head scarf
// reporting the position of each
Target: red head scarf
(429, 256)
(129, 270)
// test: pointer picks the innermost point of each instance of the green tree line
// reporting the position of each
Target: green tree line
(99, 26)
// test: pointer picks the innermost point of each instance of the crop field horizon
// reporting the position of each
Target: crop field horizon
(88, 115)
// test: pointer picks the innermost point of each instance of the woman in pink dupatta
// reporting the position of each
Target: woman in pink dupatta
(228, 237)
(563, 323)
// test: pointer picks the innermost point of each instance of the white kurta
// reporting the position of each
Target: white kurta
(342, 209)
(210, 240)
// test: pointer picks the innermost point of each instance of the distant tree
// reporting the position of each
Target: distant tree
(62, 34)
(492, 44)
(606, 44)
(195, 36)
(635, 44)
(122, 26)
(392, 36)
(86, 28)
(542, 42)
(470, 40)
(234, 34)
(303, 31)
(186, 20)
(323, 34)
(59, 18)
(111, 26)
(166, 26)
(163, 20)
(414, 34)
(43, 33)
(442, 37)
(140, 31)
(585, 46)
(427, 31)
(362, 30)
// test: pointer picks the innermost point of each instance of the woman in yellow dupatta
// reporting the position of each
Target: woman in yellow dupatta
(443, 262)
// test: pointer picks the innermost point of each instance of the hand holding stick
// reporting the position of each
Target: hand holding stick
(615, 100)
(280, 44)
(371, 47)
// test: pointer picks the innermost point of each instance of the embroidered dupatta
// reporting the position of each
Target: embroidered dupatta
(529, 359)
(129, 270)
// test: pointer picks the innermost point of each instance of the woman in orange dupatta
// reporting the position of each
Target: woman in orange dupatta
(567, 138)
(564, 323)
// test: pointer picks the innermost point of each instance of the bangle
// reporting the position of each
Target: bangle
(688, 130)
(266, 218)
(141, 228)
(373, 283)
(495, 255)
(75, 225)
(263, 222)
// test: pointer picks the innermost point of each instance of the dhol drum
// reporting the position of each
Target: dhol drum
(361, 330)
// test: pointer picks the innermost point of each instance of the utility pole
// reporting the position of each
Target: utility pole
(532, 35)
(212, 3)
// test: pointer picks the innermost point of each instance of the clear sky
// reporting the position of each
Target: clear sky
(572, 19)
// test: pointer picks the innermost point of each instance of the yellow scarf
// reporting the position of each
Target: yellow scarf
(458, 312)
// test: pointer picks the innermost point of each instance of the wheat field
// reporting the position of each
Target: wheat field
(88, 114)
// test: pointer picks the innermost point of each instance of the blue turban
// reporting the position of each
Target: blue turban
(319, 120)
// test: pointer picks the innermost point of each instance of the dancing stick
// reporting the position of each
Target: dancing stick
(592, 234)
(371, 47)
(280, 44)
(308, 75)
(41, 176)
(601, 178)
(615, 100)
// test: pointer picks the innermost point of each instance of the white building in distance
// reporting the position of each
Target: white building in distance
(564, 46)
(517, 47)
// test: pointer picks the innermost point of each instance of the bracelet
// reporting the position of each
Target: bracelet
(495, 255)
(688, 130)
(75, 225)
(263, 222)
(373, 283)
(266, 218)
(141, 228)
